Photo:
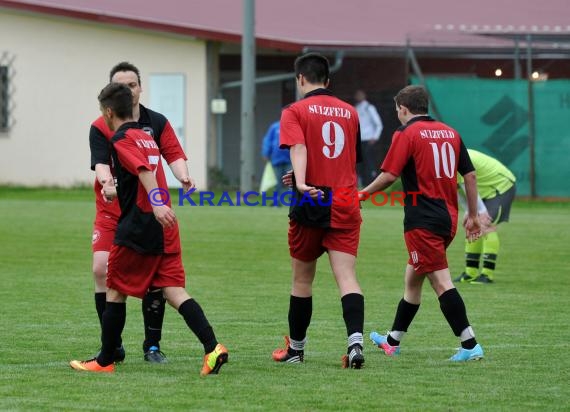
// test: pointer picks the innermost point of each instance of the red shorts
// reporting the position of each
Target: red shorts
(103, 236)
(132, 273)
(426, 250)
(308, 243)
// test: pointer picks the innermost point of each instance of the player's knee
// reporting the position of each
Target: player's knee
(440, 286)
(99, 270)
(346, 280)
(100, 265)
(302, 287)
(175, 296)
(413, 292)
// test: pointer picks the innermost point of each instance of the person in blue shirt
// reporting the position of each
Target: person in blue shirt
(279, 158)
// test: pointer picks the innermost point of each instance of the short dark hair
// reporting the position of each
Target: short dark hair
(415, 98)
(125, 67)
(119, 98)
(313, 66)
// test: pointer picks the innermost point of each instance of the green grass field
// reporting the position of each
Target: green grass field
(237, 266)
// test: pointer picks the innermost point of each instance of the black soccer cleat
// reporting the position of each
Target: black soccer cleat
(464, 277)
(155, 355)
(482, 279)
(354, 359)
(118, 355)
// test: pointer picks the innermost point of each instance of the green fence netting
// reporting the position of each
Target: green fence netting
(492, 116)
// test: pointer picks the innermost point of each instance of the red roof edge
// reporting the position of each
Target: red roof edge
(142, 24)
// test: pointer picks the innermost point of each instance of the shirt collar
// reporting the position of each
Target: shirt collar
(423, 118)
(319, 92)
(129, 125)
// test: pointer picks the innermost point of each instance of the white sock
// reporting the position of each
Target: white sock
(356, 338)
(397, 335)
(297, 344)
(467, 334)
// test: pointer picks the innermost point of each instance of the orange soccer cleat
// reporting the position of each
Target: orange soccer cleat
(214, 360)
(287, 354)
(91, 365)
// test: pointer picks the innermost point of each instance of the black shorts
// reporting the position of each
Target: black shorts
(499, 207)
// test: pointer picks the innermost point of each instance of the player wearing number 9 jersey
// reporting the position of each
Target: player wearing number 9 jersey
(322, 134)
(427, 155)
(329, 129)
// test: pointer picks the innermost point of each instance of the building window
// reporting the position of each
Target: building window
(6, 92)
(4, 99)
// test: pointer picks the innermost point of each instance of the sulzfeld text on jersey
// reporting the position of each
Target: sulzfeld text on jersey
(329, 111)
(437, 134)
(146, 144)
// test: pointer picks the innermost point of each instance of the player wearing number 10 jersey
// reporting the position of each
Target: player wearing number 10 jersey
(322, 134)
(427, 154)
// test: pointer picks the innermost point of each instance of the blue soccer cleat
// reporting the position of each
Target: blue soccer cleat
(464, 355)
(382, 342)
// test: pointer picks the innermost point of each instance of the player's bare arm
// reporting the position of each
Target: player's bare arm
(382, 181)
(105, 178)
(471, 221)
(484, 218)
(163, 213)
(298, 154)
(180, 170)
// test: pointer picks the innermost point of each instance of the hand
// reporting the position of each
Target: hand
(486, 221)
(164, 215)
(108, 191)
(287, 179)
(313, 192)
(472, 228)
(362, 196)
(187, 183)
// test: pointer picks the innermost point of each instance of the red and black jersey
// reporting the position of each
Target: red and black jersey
(134, 150)
(151, 122)
(106, 213)
(329, 128)
(427, 154)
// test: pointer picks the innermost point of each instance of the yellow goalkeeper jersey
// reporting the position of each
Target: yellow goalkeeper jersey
(493, 177)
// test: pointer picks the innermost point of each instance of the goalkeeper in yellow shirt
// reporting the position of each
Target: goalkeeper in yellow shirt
(496, 187)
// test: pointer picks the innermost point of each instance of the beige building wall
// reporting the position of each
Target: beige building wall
(60, 66)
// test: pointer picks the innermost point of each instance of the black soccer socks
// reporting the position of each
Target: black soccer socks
(113, 323)
(300, 312)
(153, 305)
(405, 314)
(196, 320)
(353, 312)
(453, 309)
(100, 302)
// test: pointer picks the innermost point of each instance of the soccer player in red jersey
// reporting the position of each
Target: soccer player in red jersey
(427, 155)
(146, 249)
(108, 211)
(322, 134)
